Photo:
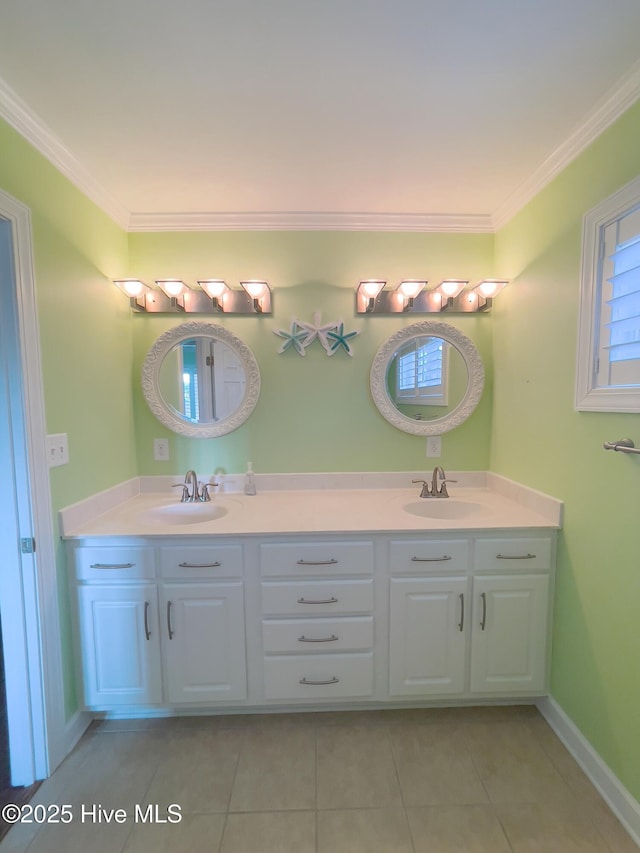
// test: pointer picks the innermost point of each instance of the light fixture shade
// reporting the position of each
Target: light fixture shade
(173, 287)
(132, 287)
(451, 287)
(489, 287)
(371, 287)
(214, 287)
(255, 288)
(410, 288)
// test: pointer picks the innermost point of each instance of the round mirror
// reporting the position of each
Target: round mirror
(200, 380)
(427, 378)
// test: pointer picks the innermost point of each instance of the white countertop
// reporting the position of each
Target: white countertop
(499, 504)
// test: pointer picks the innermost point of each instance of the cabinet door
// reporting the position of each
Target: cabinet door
(120, 645)
(509, 634)
(203, 642)
(427, 636)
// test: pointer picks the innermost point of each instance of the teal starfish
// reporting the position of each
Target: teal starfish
(296, 338)
(339, 338)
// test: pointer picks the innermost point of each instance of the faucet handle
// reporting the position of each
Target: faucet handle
(185, 491)
(443, 486)
(204, 492)
(425, 492)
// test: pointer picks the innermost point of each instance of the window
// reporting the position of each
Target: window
(421, 373)
(608, 369)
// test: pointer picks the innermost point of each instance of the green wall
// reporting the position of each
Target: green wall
(314, 413)
(539, 439)
(85, 338)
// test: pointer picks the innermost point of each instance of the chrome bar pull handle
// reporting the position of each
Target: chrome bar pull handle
(430, 559)
(170, 630)
(147, 631)
(515, 556)
(112, 565)
(330, 639)
(331, 562)
(332, 600)
(333, 680)
(483, 621)
(461, 622)
(214, 565)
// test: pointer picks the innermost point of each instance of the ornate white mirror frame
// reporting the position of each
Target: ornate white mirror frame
(475, 376)
(169, 416)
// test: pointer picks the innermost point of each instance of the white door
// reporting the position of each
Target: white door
(203, 642)
(509, 634)
(427, 636)
(120, 645)
(18, 594)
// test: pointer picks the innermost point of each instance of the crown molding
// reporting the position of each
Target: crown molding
(19, 116)
(310, 222)
(618, 99)
(22, 119)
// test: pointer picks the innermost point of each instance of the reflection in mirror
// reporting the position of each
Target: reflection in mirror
(202, 379)
(427, 378)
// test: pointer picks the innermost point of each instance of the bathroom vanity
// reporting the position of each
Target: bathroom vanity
(316, 597)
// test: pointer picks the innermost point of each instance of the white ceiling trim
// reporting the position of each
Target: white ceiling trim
(20, 116)
(17, 114)
(619, 98)
(310, 222)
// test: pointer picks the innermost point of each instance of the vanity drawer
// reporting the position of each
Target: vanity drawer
(312, 636)
(418, 556)
(316, 598)
(115, 563)
(316, 558)
(513, 553)
(318, 677)
(201, 561)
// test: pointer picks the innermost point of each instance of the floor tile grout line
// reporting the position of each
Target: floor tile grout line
(397, 773)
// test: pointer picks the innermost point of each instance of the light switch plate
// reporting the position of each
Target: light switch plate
(57, 449)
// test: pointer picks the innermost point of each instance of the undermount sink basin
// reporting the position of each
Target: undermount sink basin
(184, 513)
(442, 508)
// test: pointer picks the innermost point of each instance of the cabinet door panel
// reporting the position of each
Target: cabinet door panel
(427, 636)
(120, 645)
(509, 635)
(203, 642)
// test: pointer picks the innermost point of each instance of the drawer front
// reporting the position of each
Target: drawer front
(114, 563)
(318, 677)
(316, 558)
(319, 598)
(201, 561)
(312, 636)
(513, 553)
(419, 556)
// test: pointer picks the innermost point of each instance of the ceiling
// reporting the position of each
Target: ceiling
(315, 113)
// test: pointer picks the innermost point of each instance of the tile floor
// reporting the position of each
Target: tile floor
(483, 780)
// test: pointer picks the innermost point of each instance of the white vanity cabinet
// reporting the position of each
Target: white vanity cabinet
(177, 638)
(308, 620)
(317, 600)
(476, 620)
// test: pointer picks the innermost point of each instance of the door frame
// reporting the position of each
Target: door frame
(45, 736)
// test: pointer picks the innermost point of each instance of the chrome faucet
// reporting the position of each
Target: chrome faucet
(435, 491)
(191, 491)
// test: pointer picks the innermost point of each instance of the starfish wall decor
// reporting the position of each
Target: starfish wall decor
(332, 336)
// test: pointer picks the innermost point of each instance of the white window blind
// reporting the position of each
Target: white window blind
(421, 374)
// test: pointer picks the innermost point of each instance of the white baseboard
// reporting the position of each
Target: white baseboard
(610, 788)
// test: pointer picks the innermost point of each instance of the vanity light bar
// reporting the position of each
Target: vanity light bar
(212, 296)
(412, 297)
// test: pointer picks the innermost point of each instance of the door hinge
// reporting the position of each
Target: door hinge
(28, 546)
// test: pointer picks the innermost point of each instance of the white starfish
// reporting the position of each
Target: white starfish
(317, 330)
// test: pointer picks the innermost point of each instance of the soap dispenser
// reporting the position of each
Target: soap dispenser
(249, 480)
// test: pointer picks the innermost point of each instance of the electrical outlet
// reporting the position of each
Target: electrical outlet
(434, 446)
(161, 449)
(57, 449)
